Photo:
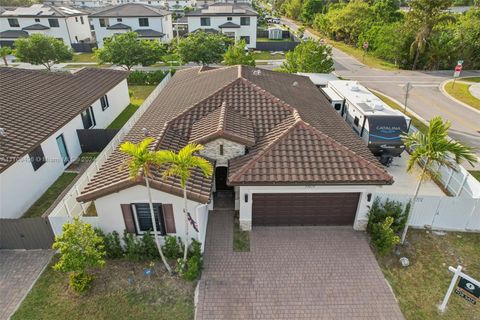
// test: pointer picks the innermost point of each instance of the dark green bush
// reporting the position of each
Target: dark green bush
(383, 236)
(381, 210)
(113, 246)
(143, 78)
(149, 247)
(172, 248)
(133, 247)
(193, 269)
(195, 249)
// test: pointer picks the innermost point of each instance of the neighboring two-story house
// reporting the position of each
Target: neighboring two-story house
(40, 114)
(147, 21)
(67, 24)
(238, 21)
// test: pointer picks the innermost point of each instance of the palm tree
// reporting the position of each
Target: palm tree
(141, 159)
(181, 165)
(434, 148)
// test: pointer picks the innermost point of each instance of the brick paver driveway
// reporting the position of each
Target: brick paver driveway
(292, 273)
(18, 271)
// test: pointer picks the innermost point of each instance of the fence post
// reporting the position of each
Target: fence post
(461, 185)
(450, 288)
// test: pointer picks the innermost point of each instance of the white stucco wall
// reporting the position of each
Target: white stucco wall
(111, 217)
(21, 186)
(230, 150)
(215, 21)
(362, 210)
(160, 24)
(68, 29)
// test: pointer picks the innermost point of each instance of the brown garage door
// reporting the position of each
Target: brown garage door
(282, 209)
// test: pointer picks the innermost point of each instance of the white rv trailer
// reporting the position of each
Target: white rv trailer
(377, 124)
(319, 79)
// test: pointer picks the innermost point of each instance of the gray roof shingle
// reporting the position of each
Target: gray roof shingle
(34, 104)
(130, 10)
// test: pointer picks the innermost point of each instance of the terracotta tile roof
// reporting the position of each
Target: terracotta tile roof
(35, 104)
(298, 138)
(223, 122)
(299, 153)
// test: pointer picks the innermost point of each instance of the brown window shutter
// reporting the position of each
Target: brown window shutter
(169, 218)
(128, 218)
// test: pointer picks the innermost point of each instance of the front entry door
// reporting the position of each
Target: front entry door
(221, 174)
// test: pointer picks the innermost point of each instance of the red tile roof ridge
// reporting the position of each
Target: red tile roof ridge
(222, 119)
(322, 135)
(269, 146)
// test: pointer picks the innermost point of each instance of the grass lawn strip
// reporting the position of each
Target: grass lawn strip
(120, 291)
(475, 174)
(460, 92)
(140, 93)
(415, 121)
(355, 52)
(49, 196)
(470, 79)
(420, 288)
(84, 57)
(267, 55)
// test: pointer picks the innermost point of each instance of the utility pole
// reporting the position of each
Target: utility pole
(407, 88)
(365, 48)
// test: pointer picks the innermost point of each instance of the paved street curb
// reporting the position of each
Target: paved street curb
(446, 94)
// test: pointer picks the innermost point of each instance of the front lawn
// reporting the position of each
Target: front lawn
(274, 40)
(49, 196)
(84, 57)
(140, 93)
(267, 55)
(420, 288)
(120, 291)
(460, 91)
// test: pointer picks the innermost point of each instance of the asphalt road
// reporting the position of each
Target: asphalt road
(425, 98)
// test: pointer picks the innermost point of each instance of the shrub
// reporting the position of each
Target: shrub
(383, 236)
(113, 246)
(81, 248)
(80, 281)
(192, 270)
(172, 248)
(149, 247)
(143, 78)
(195, 249)
(133, 247)
(388, 208)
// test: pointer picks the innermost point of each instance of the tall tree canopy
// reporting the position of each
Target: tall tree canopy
(43, 50)
(127, 50)
(236, 54)
(202, 47)
(309, 56)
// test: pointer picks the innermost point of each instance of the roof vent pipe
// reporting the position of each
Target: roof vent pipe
(295, 84)
(257, 72)
(2, 132)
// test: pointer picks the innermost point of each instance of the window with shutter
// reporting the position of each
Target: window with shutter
(143, 220)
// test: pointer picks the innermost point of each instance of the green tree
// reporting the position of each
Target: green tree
(387, 11)
(140, 161)
(309, 9)
(43, 50)
(181, 165)
(80, 248)
(292, 8)
(309, 56)
(423, 16)
(4, 52)
(468, 34)
(202, 47)
(431, 150)
(236, 55)
(127, 50)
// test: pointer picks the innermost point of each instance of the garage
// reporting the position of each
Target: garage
(286, 209)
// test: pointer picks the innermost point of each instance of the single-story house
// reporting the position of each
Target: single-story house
(277, 146)
(40, 114)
